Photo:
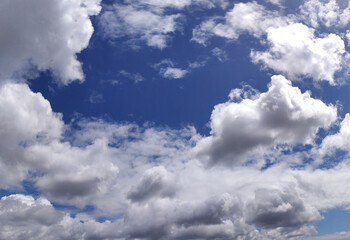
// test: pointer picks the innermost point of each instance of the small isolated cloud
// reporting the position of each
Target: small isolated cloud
(38, 41)
(295, 51)
(197, 64)
(95, 97)
(276, 2)
(283, 114)
(173, 73)
(124, 77)
(220, 54)
(168, 70)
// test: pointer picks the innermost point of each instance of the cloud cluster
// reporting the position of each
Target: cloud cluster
(150, 22)
(295, 50)
(147, 182)
(329, 13)
(29, 43)
(248, 17)
(281, 115)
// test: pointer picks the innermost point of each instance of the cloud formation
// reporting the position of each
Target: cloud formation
(251, 18)
(128, 181)
(30, 44)
(281, 115)
(139, 24)
(295, 51)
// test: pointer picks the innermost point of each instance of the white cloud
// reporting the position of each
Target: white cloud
(23, 217)
(329, 13)
(173, 73)
(168, 3)
(220, 54)
(168, 70)
(147, 180)
(150, 22)
(295, 51)
(45, 40)
(281, 115)
(276, 2)
(139, 25)
(26, 118)
(135, 77)
(249, 18)
(279, 209)
(339, 140)
(31, 143)
(155, 182)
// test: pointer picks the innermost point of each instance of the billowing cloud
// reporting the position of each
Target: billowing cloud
(295, 51)
(128, 181)
(31, 144)
(273, 209)
(155, 182)
(22, 216)
(26, 118)
(330, 13)
(45, 40)
(283, 114)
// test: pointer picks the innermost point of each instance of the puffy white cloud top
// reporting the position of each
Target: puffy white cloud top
(32, 39)
(281, 115)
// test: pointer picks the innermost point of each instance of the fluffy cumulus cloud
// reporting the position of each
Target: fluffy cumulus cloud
(155, 182)
(128, 181)
(283, 114)
(249, 17)
(23, 217)
(147, 182)
(31, 144)
(29, 44)
(330, 13)
(26, 118)
(295, 50)
(280, 208)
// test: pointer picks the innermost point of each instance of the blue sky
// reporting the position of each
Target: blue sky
(186, 119)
